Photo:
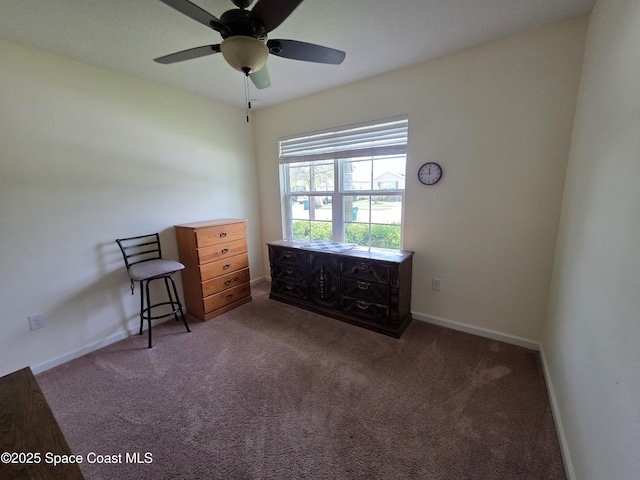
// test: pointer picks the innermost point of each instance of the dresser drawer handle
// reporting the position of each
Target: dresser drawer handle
(224, 250)
(363, 267)
(229, 296)
(363, 285)
(228, 281)
(288, 286)
(362, 305)
(223, 234)
(226, 266)
(287, 254)
(288, 271)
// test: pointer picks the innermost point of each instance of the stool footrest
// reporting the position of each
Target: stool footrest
(147, 311)
(174, 303)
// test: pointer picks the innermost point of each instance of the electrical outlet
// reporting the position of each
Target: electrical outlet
(36, 321)
(436, 284)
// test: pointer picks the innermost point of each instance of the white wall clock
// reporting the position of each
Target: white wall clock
(430, 173)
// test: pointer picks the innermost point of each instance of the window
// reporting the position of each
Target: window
(346, 185)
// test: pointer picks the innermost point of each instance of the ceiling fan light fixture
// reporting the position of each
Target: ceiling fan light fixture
(245, 54)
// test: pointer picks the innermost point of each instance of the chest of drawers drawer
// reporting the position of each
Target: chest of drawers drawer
(215, 234)
(225, 298)
(223, 282)
(224, 266)
(221, 250)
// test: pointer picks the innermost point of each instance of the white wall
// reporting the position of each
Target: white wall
(87, 156)
(498, 118)
(591, 341)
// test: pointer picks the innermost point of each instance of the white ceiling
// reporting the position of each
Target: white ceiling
(377, 35)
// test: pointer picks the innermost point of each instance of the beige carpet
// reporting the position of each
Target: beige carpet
(269, 391)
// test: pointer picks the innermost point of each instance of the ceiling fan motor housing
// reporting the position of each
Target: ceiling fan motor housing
(239, 22)
(242, 3)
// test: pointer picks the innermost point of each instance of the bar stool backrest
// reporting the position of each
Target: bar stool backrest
(140, 249)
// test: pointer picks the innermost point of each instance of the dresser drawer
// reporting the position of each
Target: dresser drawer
(288, 256)
(365, 270)
(365, 290)
(226, 297)
(220, 234)
(289, 273)
(221, 250)
(365, 309)
(224, 266)
(225, 282)
(289, 288)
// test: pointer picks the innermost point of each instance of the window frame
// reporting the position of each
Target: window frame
(339, 193)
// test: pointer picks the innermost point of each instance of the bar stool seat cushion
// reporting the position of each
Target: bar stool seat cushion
(153, 268)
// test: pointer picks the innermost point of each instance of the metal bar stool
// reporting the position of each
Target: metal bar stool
(143, 258)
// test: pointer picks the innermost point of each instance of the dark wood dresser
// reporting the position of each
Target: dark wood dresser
(368, 287)
(29, 433)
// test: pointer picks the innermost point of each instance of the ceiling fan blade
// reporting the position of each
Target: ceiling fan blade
(308, 52)
(198, 14)
(188, 54)
(273, 12)
(261, 78)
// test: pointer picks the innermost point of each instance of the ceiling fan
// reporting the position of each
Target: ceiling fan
(245, 46)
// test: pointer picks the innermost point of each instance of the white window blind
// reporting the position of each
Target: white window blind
(386, 137)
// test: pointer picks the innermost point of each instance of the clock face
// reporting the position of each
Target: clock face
(430, 173)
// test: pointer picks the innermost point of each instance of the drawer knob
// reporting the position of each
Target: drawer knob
(363, 267)
(362, 305)
(363, 285)
(225, 250)
(288, 270)
(223, 234)
(229, 296)
(227, 282)
(288, 286)
(287, 254)
(226, 266)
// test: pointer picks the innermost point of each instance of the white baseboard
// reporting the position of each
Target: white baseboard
(54, 362)
(521, 342)
(482, 332)
(261, 279)
(562, 438)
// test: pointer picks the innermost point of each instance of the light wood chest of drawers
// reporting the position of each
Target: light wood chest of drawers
(216, 277)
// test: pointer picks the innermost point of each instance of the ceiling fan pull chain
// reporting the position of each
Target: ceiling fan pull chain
(246, 95)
